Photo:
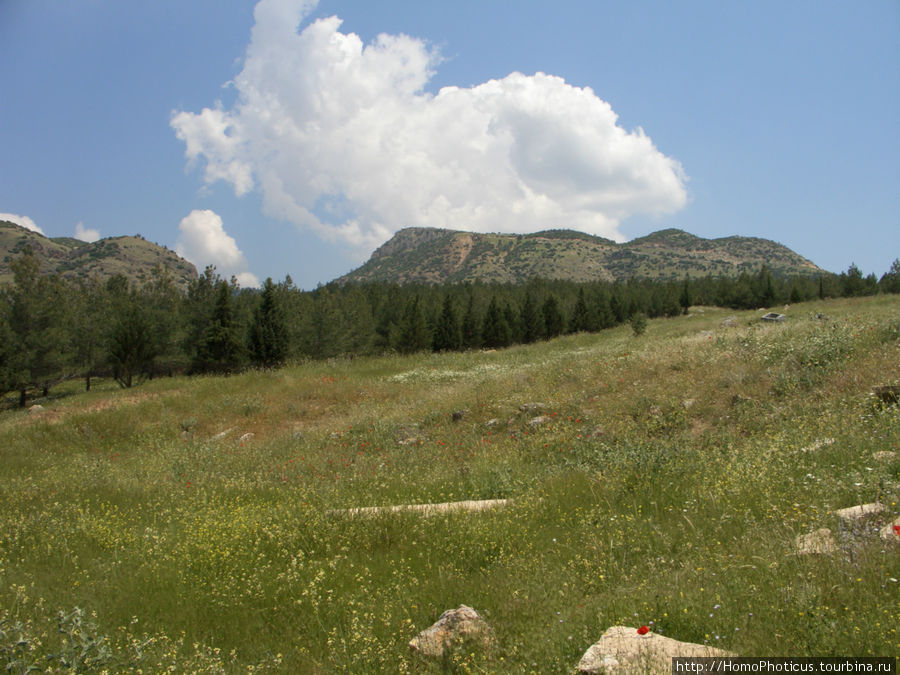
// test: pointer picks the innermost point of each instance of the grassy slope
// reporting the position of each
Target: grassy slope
(666, 488)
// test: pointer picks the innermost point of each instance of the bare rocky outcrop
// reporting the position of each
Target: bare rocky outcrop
(854, 514)
(821, 541)
(455, 627)
(622, 649)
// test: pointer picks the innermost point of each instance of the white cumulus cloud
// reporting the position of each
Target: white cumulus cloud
(87, 234)
(341, 137)
(23, 221)
(203, 241)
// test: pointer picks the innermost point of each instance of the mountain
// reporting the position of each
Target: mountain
(133, 257)
(427, 255)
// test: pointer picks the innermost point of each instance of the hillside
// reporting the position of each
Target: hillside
(705, 480)
(425, 255)
(133, 257)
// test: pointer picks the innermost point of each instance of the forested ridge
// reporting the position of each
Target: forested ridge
(52, 329)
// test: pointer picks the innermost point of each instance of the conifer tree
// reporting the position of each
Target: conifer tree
(554, 321)
(268, 344)
(531, 320)
(41, 350)
(494, 329)
(220, 349)
(471, 332)
(411, 334)
(685, 299)
(581, 320)
(447, 333)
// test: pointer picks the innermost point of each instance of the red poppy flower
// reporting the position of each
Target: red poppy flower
(643, 630)
(897, 530)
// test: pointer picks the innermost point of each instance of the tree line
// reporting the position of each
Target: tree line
(52, 330)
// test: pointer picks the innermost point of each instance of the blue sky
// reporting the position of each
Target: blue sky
(275, 140)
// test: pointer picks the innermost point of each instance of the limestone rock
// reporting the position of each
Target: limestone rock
(820, 541)
(462, 624)
(246, 437)
(222, 434)
(884, 455)
(891, 531)
(622, 649)
(531, 408)
(36, 409)
(853, 514)
(538, 421)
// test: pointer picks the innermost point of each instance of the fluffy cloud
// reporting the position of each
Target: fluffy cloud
(85, 233)
(23, 221)
(342, 138)
(203, 241)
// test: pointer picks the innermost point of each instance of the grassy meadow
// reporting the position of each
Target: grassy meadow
(664, 484)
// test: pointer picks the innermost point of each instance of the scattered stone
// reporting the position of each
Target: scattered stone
(411, 439)
(538, 421)
(853, 514)
(531, 408)
(424, 509)
(36, 409)
(222, 434)
(246, 437)
(773, 316)
(492, 422)
(707, 334)
(884, 455)
(688, 403)
(622, 649)
(817, 444)
(455, 626)
(891, 531)
(458, 415)
(729, 322)
(297, 436)
(820, 541)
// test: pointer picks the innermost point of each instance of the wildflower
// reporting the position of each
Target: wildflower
(643, 630)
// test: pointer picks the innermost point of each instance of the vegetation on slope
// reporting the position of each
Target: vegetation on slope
(424, 255)
(664, 485)
(135, 258)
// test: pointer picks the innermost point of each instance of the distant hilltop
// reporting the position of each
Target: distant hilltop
(133, 257)
(436, 256)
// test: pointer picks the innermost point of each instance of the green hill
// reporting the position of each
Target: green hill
(133, 257)
(425, 255)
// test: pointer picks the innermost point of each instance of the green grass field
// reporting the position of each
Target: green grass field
(665, 485)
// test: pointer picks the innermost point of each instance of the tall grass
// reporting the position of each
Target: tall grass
(664, 484)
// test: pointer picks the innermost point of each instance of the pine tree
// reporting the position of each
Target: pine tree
(447, 333)
(494, 329)
(268, 343)
(220, 349)
(411, 334)
(131, 349)
(581, 320)
(42, 348)
(532, 323)
(605, 316)
(685, 299)
(553, 317)
(471, 333)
